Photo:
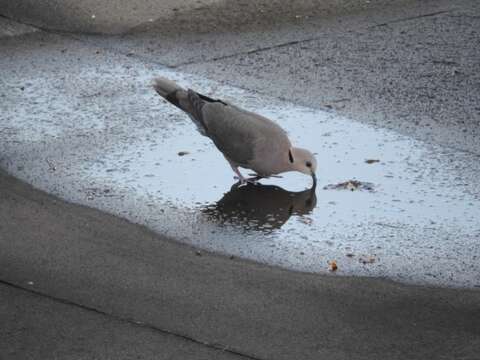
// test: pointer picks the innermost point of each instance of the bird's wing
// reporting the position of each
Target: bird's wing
(236, 132)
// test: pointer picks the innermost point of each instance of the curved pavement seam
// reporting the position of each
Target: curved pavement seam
(215, 346)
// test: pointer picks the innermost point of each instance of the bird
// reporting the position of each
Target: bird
(245, 139)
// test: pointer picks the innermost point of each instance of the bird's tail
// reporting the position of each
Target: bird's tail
(173, 93)
(165, 87)
(187, 100)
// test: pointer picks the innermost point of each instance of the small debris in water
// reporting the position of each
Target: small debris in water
(183, 153)
(333, 265)
(388, 225)
(367, 259)
(350, 255)
(372, 161)
(51, 165)
(351, 185)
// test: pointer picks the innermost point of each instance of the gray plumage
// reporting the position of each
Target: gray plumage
(245, 139)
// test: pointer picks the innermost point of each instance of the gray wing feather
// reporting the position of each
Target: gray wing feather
(196, 105)
(236, 132)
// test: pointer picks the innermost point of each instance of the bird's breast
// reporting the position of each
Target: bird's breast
(271, 157)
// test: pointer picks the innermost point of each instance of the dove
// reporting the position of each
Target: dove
(245, 139)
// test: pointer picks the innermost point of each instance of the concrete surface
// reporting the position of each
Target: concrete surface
(12, 28)
(90, 16)
(120, 16)
(98, 262)
(125, 271)
(35, 326)
(411, 66)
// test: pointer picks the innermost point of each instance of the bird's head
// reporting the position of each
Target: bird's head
(303, 161)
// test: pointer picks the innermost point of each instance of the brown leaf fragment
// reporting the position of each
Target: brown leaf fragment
(351, 185)
(332, 265)
(372, 161)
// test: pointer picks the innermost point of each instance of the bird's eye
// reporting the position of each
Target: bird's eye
(308, 163)
(290, 156)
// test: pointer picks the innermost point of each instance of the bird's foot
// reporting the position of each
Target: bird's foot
(244, 181)
(253, 180)
(265, 177)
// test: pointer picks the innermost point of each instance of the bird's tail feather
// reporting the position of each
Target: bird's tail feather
(189, 101)
(173, 93)
(164, 86)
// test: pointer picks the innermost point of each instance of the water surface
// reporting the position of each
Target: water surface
(116, 147)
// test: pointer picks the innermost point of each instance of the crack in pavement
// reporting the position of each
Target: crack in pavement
(227, 56)
(295, 42)
(410, 18)
(24, 23)
(248, 52)
(12, 28)
(214, 346)
(147, 60)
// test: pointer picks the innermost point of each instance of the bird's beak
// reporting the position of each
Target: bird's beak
(314, 178)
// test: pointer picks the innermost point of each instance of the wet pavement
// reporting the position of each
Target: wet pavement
(84, 124)
(68, 269)
(406, 65)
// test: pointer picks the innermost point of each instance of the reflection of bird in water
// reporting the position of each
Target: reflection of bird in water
(260, 207)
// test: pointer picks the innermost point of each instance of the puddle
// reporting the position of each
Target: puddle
(414, 209)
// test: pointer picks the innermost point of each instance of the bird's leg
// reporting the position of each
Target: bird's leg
(258, 177)
(242, 179)
(239, 174)
(253, 180)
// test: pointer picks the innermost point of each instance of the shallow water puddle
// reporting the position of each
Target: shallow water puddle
(409, 216)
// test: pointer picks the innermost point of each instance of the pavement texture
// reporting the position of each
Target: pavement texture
(411, 66)
(122, 16)
(35, 326)
(82, 122)
(146, 289)
(105, 270)
(88, 16)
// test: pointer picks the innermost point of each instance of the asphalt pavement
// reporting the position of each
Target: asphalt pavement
(79, 283)
(411, 66)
